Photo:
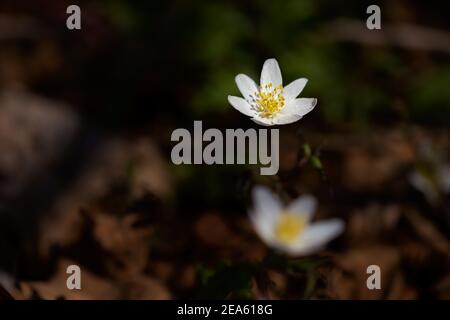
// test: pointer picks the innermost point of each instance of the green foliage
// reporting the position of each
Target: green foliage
(305, 267)
(313, 159)
(294, 266)
(212, 41)
(122, 15)
(316, 163)
(234, 280)
(218, 185)
(226, 281)
(430, 97)
(307, 150)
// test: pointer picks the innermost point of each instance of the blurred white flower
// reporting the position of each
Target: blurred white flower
(432, 182)
(271, 103)
(290, 229)
(431, 175)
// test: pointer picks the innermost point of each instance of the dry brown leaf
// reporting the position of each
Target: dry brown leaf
(142, 287)
(429, 233)
(213, 231)
(106, 167)
(127, 243)
(92, 286)
(348, 279)
(373, 222)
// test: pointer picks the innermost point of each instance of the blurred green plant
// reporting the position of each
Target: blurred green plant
(206, 43)
(225, 281)
(233, 280)
(430, 97)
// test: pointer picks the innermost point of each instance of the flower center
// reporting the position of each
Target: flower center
(289, 227)
(269, 100)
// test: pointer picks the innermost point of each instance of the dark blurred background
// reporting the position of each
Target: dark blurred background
(85, 123)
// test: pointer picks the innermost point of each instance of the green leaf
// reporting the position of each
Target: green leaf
(307, 150)
(316, 163)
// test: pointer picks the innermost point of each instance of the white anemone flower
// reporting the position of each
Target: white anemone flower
(289, 229)
(271, 103)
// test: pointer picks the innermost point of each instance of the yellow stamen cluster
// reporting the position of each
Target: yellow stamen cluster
(270, 100)
(289, 227)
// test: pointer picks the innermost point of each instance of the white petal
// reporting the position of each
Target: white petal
(271, 73)
(294, 110)
(265, 202)
(262, 121)
(293, 89)
(297, 250)
(300, 106)
(303, 206)
(263, 227)
(241, 105)
(316, 236)
(282, 118)
(266, 209)
(246, 86)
